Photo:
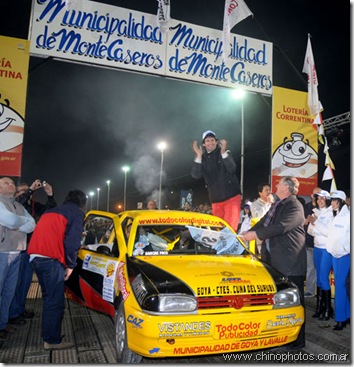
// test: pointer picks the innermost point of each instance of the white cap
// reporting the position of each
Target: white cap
(338, 195)
(208, 132)
(323, 193)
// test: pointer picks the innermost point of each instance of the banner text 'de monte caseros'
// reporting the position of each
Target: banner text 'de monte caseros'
(89, 32)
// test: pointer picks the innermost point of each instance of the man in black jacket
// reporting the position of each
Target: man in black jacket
(24, 195)
(216, 164)
(283, 235)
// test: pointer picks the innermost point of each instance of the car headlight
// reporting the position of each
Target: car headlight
(171, 303)
(287, 298)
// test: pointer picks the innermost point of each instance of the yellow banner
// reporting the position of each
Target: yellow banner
(294, 140)
(14, 60)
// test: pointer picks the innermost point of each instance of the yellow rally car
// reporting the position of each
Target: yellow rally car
(181, 284)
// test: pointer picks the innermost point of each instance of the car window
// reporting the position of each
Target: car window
(170, 240)
(98, 230)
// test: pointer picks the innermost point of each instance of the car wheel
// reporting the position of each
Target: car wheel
(124, 354)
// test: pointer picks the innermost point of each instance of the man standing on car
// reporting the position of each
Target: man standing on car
(53, 251)
(218, 167)
(283, 235)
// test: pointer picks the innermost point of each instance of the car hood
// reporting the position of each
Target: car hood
(207, 276)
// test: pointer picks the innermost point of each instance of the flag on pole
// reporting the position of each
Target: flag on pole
(163, 14)
(333, 186)
(310, 69)
(234, 12)
(318, 126)
(316, 108)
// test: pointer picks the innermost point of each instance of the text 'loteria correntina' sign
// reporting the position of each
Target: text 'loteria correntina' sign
(90, 32)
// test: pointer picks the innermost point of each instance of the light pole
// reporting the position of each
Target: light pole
(161, 146)
(98, 197)
(91, 195)
(125, 169)
(108, 187)
(240, 94)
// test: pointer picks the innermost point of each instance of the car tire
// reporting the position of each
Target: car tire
(124, 354)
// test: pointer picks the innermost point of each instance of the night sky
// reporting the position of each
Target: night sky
(83, 123)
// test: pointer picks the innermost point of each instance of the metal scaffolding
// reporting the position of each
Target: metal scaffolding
(336, 121)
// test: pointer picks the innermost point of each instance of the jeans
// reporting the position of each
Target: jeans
(23, 284)
(311, 271)
(9, 269)
(299, 281)
(341, 268)
(325, 269)
(51, 273)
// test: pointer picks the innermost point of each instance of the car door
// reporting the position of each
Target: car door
(93, 281)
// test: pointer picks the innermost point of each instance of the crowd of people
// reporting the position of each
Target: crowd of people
(304, 241)
(44, 238)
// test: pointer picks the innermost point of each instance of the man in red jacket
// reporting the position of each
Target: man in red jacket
(53, 251)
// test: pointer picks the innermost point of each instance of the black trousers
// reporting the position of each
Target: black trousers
(299, 281)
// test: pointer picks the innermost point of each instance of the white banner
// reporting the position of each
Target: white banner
(89, 32)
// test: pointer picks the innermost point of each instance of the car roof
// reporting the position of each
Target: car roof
(165, 217)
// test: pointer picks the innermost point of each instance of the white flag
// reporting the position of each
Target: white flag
(223, 242)
(333, 185)
(163, 14)
(310, 69)
(327, 174)
(235, 11)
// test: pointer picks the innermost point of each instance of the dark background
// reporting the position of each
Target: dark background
(83, 123)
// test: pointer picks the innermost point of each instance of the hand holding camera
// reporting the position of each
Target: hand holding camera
(44, 184)
(36, 185)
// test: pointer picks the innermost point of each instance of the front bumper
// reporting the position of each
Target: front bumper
(214, 333)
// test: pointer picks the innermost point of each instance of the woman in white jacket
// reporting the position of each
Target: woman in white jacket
(338, 245)
(318, 228)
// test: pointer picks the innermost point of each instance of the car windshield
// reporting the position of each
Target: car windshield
(148, 236)
(167, 240)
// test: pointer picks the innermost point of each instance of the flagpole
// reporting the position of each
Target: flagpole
(315, 106)
(242, 147)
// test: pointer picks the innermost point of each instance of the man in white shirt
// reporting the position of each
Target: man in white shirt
(15, 223)
(260, 206)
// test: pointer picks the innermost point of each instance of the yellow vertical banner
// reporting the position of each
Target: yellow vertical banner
(14, 61)
(294, 140)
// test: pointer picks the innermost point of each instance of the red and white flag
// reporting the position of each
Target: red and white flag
(163, 14)
(235, 11)
(310, 69)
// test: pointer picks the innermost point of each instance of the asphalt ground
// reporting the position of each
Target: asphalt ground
(93, 335)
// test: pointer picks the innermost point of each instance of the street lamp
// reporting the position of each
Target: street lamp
(161, 146)
(108, 186)
(91, 195)
(98, 197)
(240, 94)
(125, 169)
